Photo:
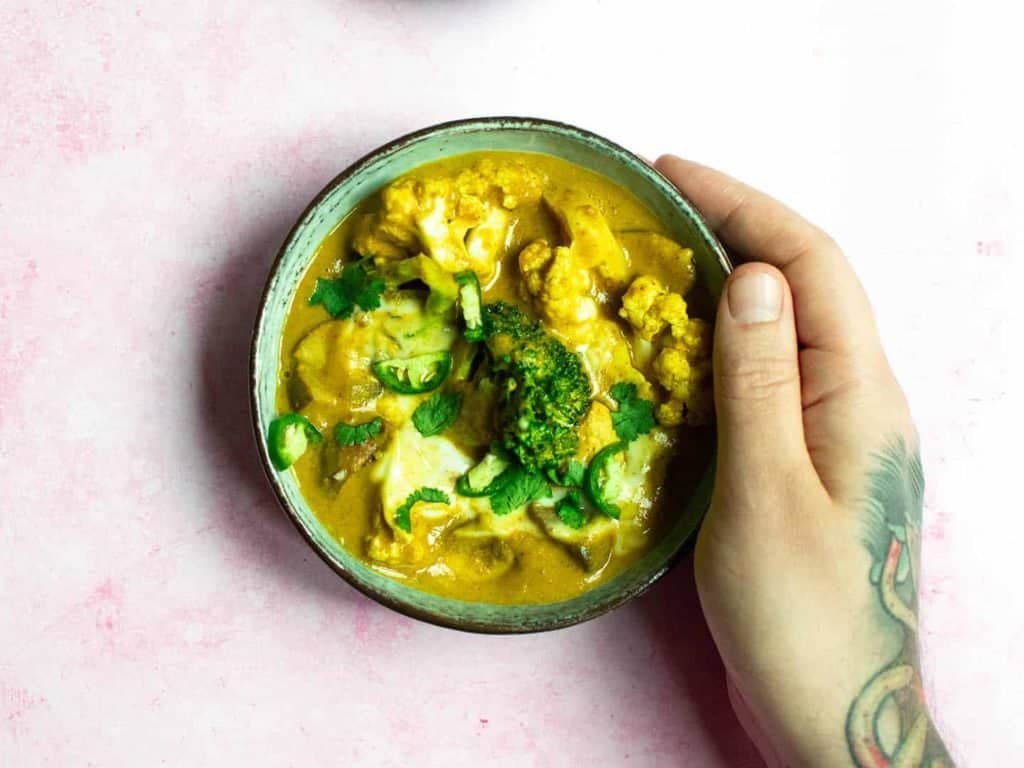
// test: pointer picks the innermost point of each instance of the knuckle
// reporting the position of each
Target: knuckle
(815, 244)
(757, 378)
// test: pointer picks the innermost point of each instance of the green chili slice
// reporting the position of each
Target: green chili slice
(288, 437)
(414, 375)
(471, 301)
(603, 478)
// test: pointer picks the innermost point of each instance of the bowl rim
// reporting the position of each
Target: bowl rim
(409, 608)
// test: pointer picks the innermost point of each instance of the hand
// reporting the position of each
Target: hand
(806, 564)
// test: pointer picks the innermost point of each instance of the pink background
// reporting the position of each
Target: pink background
(155, 606)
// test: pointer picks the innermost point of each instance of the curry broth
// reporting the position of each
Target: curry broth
(544, 570)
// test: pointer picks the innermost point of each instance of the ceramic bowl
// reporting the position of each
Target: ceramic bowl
(366, 177)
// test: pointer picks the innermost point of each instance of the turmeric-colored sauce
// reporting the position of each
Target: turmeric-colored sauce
(585, 260)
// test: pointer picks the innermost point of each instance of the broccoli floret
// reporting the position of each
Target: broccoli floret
(545, 392)
(502, 319)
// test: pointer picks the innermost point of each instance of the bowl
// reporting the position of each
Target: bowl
(366, 177)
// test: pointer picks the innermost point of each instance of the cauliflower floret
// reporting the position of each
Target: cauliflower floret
(639, 299)
(461, 222)
(560, 286)
(372, 238)
(442, 231)
(391, 233)
(671, 413)
(593, 244)
(514, 182)
(683, 368)
(533, 260)
(563, 291)
(562, 280)
(487, 239)
(566, 294)
(649, 307)
(683, 364)
(672, 367)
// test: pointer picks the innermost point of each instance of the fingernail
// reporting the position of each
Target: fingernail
(755, 297)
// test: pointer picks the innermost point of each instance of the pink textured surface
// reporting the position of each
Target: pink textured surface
(155, 606)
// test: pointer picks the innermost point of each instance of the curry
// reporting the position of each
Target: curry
(494, 379)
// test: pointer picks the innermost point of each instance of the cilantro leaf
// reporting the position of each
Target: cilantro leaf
(403, 517)
(519, 487)
(635, 415)
(356, 287)
(435, 415)
(329, 293)
(573, 477)
(357, 434)
(364, 288)
(570, 510)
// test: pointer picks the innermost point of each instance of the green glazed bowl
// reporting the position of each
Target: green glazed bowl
(366, 177)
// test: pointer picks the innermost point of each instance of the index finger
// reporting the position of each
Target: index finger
(832, 311)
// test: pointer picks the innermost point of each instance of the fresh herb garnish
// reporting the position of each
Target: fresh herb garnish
(573, 477)
(520, 486)
(357, 434)
(403, 517)
(356, 287)
(635, 415)
(434, 415)
(570, 510)
(486, 477)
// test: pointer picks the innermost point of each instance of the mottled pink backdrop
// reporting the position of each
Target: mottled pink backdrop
(155, 606)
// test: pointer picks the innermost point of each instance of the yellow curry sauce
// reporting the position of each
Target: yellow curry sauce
(587, 260)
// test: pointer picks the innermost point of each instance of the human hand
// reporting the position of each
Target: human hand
(807, 562)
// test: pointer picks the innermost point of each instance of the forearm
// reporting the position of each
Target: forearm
(843, 687)
(884, 724)
(888, 723)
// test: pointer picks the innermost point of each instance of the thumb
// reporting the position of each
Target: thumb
(757, 375)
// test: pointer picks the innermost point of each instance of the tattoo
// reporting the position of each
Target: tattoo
(888, 725)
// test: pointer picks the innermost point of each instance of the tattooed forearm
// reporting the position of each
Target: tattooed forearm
(906, 738)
